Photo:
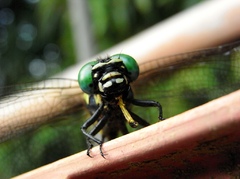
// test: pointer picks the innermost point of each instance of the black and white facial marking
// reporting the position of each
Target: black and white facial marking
(111, 77)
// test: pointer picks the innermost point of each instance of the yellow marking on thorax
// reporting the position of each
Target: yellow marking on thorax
(86, 98)
(97, 98)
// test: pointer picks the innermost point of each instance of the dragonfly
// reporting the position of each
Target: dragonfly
(179, 82)
(107, 81)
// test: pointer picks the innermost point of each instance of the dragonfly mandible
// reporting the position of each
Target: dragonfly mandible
(178, 82)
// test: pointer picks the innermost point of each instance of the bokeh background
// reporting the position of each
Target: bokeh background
(39, 33)
(37, 41)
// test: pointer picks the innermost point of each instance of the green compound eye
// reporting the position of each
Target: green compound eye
(85, 79)
(130, 63)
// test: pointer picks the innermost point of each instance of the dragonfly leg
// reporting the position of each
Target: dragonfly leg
(139, 119)
(87, 124)
(90, 145)
(101, 123)
(148, 103)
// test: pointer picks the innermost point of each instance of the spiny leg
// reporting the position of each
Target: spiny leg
(90, 145)
(141, 121)
(88, 123)
(102, 122)
(148, 103)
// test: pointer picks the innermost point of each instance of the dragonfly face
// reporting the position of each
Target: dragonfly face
(180, 82)
(108, 77)
(107, 81)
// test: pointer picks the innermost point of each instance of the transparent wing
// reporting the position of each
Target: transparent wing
(29, 105)
(184, 81)
(52, 139)
(178, 82)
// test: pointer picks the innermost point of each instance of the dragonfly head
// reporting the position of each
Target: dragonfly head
(109, 77)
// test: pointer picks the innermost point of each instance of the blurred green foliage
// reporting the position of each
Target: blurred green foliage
(38, 30)
(37, 33)
(115, 20)
(29, 27)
